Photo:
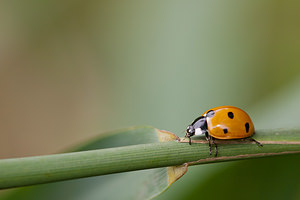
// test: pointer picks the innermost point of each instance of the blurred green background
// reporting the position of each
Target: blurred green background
(73, 69)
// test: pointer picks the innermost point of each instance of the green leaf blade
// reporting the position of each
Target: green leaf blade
(143, 184)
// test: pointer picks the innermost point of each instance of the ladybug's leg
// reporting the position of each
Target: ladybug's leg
(190, 142)
(216, 147)
(258, 143)
(208, 138)
(209, 144)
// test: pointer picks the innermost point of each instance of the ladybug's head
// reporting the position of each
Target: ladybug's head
(190, 131)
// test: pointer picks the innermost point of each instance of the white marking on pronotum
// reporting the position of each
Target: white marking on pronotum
(198, 131)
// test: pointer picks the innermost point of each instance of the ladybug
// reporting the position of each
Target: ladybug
(223, 122)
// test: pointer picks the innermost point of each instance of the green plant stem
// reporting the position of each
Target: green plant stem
(43, 169)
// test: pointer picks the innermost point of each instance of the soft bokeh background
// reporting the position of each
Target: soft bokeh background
(70, 70)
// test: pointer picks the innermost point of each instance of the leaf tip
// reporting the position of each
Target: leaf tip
(165, 136)
(176, 172)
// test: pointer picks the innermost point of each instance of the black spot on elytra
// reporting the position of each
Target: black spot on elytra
(210, 113)
(225, 130)
(247, 127)
(230, 115)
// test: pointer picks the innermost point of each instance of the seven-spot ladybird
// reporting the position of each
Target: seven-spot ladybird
(223, 122)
